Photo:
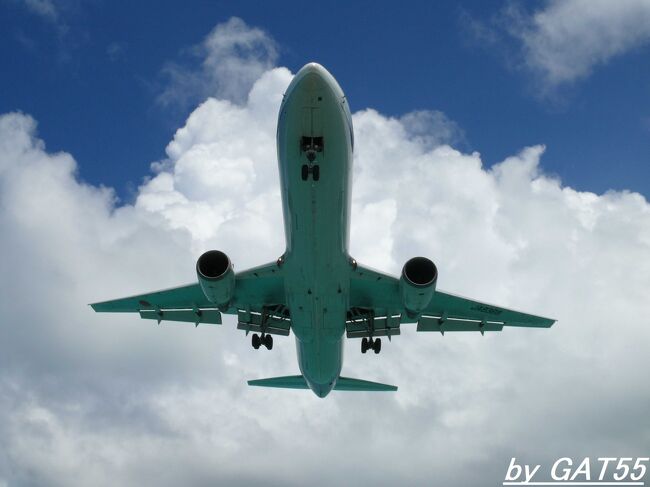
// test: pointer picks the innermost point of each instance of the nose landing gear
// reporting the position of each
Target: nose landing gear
(310, 146)
(314, 170)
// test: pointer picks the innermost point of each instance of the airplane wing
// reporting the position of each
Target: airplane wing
(376, 309)
(258, 302)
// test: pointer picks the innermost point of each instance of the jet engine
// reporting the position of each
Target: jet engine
(417, 284)
(216, 277)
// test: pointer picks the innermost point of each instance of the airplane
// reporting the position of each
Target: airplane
(316, 289)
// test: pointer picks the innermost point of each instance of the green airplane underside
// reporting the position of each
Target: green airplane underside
(371, 291)
(342, 384)
(259, 305)
(315, 290)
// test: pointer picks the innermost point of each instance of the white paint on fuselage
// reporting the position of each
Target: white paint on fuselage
(316, 218)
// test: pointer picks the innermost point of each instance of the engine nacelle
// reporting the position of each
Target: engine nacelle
(417, 284)
(216, 277)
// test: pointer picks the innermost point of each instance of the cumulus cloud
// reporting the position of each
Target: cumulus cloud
(567, 40)
(89, 399)
(432, 128)
(564, 41)
(232, 56)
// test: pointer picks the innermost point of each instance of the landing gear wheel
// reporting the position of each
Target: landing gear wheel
(364, 345)
(304, 172)
(256, 341)
(315, 172)
(268, 342)
(376, 346)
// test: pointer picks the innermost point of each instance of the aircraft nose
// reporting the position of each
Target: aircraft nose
(314, 68)
(312, 77)
(313, 81)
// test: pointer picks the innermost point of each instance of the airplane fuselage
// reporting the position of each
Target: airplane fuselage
(315, 142)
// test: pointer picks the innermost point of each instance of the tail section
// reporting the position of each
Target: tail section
(348, 384)
(342, 384)
(286, 382)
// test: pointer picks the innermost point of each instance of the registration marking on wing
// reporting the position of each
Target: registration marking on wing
(486, 309)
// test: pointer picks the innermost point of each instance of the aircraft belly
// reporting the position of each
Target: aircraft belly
(316, 261)
(316, 208)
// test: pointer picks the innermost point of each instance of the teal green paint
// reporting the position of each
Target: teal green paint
(313, 286)
(317, 269)
(342, 384)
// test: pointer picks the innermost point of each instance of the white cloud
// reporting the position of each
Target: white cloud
(90, 399)
(566, 40)
(431, 128)
(233, 56)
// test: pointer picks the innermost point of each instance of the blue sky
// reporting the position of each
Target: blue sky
(91, 74)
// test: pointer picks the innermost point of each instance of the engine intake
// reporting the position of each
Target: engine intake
(417, 284)
(216, 277)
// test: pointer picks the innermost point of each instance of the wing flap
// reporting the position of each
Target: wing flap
(377, 323)
(282, 329)
(426, 323)
(373, 292)
(198, 316)
(258, 301)
(188, 296)
(458, 307)
(254, 288)
(270, 319)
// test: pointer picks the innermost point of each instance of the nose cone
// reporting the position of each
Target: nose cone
(314, 68)
(313, 78)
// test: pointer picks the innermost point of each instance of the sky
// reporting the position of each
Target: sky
(92, 74)
(506, 141)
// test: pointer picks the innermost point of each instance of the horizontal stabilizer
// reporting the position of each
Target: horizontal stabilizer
(348, 384)
(286, 382)
(342, 384)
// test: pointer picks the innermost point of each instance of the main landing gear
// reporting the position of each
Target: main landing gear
(368, 343)
(266, 340)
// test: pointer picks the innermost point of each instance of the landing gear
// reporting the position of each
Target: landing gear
(306, 170)
(266, 340)
(368, 343)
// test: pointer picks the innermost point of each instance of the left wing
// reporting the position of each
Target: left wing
(377, 310)
(259, 302)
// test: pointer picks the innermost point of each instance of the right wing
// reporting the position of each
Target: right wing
(377, 309)
(258, 301)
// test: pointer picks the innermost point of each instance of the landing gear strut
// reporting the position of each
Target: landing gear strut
(306, 170)
(266, 340)
(368, 343)
(310, 146)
